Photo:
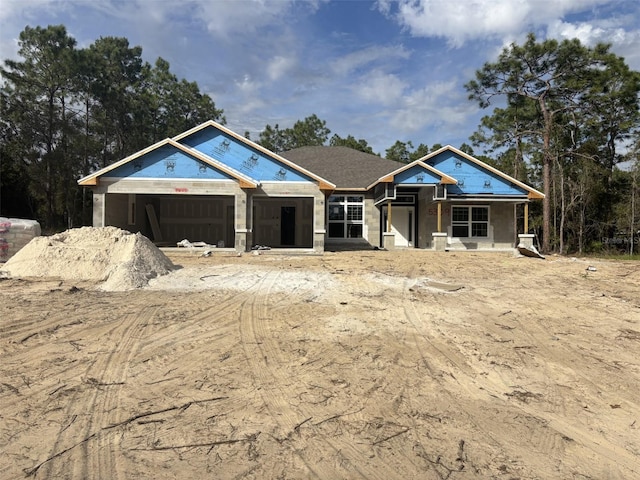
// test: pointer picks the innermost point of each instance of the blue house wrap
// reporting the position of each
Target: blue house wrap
(210, 184)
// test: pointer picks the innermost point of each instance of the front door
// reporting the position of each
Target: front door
(288, 226)
(402, 224)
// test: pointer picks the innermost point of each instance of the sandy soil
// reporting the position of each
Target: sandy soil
(372, 365)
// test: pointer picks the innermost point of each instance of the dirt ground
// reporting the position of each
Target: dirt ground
(349, 365)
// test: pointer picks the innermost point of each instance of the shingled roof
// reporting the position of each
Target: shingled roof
(345, 167)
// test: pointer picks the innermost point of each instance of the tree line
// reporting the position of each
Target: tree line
(566, 117)
(68, 111)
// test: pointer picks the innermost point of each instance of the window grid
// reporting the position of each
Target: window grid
(470, 222)
(346, 216)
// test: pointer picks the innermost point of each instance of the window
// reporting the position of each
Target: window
(469, 222)
(345, 216)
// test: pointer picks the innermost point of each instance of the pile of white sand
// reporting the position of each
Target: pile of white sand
(120, 259)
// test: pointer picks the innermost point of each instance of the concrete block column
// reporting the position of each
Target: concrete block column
(389, 240)
(319, 229)
(439, 241)
(241, 240)
(241, 221)
(99, 209)
(525, 239)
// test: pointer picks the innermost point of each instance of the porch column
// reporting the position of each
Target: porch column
(319, 222)
(99, 208)
(439, 238)
(388, 237)
(240, 221)
(526, 239)
(250, 219)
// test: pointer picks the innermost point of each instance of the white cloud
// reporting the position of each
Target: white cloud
(16, 8)
(380, 88)
(462, 20)
(624, 43)
(587, 33)
(361, 58)
(223, 18)
(279, 66)
(434, 105)
(247, 85)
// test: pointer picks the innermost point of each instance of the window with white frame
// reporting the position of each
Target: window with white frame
(345, 216)
(469, 222)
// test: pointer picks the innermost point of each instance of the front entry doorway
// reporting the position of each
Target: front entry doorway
(402, 225)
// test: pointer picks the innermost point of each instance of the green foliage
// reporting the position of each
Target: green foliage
(305, 133)
(350, 142)
(68, 111)
(405, 153)
(569, 109)
(399, 152)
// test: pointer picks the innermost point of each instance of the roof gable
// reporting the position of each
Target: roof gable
(475, 177)
(246, 156)
(169, 160)
(417, 173)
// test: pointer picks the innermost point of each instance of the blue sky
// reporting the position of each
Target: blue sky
(379, 70)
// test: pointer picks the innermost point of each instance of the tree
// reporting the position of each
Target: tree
(399, 152)
(507, 132)
(405, 153)
(557, 79)
(308, 132)
(350, 142)
(114, 89)
(36, 121)
(66, 112)
(610, 107)
(272, 138)
(188, 107)
(166, 106)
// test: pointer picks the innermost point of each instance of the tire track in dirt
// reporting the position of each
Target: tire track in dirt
(88, 451)
(570, 354)
(413, 340)
(586, 434)
(566, 348)
(21, 331)
(440, 364)
(189, 329)
(518, 368)
(62, 356)
(601, 447)
(270, 372)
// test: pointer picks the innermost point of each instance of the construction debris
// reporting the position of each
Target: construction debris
(119, 259)
(15, 233)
